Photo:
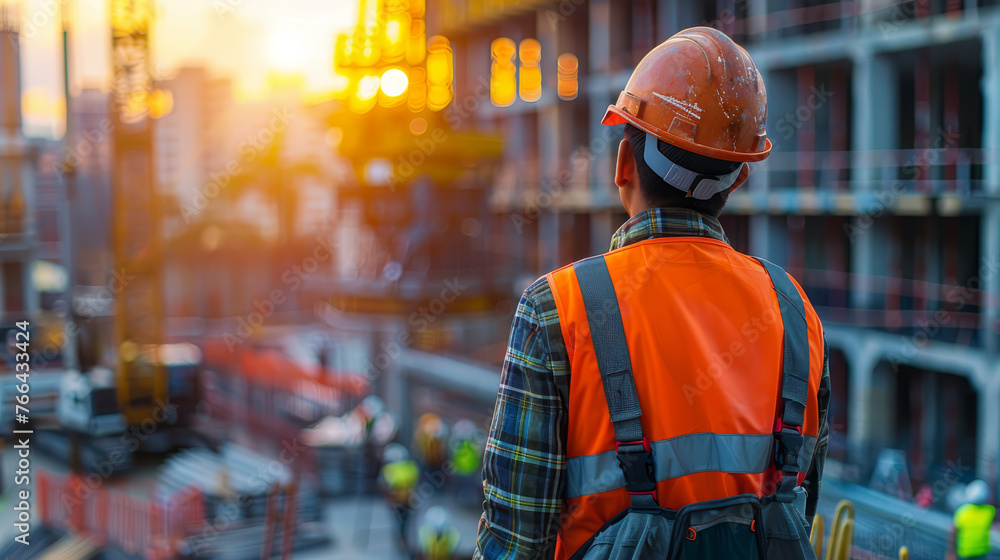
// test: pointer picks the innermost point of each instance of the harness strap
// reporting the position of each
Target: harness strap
(611, 350)
(794, 376)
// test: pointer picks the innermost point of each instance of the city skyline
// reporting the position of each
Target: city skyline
(247, 41)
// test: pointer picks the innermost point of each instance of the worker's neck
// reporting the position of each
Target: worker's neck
(641, 207)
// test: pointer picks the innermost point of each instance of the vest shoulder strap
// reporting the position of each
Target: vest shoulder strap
(794, 370)
(610, 348)
(611, 351)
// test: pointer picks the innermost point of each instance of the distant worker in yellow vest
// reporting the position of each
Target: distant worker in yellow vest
(438, 538)
(971, 531)
(399, 478)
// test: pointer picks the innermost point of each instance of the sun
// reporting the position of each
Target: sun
(286, 50)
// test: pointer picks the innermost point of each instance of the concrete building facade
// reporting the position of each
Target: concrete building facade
(882, 193)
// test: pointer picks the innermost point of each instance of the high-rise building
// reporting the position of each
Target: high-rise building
(18, 236)
(882, 193)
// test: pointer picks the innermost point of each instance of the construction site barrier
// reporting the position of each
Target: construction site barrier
(137, 526)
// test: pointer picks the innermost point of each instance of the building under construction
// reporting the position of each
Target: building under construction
(880, 196)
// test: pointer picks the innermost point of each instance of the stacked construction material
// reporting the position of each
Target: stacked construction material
(248, 497)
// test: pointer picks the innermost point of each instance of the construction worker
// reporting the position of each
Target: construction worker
(672, 371)
(438, 538)
(399, 476)
(431, 440)
(466, 452)
(971, 530)
(464, 448)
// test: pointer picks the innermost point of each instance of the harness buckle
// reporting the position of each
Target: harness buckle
(788, 442)
(636, 461)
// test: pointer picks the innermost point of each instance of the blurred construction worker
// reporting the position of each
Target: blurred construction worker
(971, 529)
(399, 478)
(378, 427)
(431, 440)
(466, 452)
(672, 371)
(379, 424)
(438, 538)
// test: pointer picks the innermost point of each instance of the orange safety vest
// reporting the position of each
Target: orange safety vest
(703, 327)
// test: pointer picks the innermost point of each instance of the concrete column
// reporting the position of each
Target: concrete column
(988, 440)
(989, 271)
(931, 420)
(386, 351)
(990, 87)
(665, 19)
(548, 240)
(861, 361)
(602, 227)
(760, 235)
(763, 234)
(990, 238)
(874, 127)
(550, 133)
(599, 96)
(756, 10)
(600, 35)
(874, 121)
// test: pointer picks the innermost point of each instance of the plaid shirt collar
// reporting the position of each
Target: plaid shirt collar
(667, 222)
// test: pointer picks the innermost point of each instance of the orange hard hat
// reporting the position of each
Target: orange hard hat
(698, 91)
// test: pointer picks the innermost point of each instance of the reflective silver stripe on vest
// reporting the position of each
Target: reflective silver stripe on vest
(681, 456)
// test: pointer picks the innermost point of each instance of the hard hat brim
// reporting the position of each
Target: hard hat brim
(615, 115)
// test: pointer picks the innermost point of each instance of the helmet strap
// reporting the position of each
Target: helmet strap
(697, 185)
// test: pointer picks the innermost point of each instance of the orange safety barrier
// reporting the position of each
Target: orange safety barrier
(142, 527)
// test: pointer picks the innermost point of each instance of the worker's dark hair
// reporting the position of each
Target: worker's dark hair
(659, 194)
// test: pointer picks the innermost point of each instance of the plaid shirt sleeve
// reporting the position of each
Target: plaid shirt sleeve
(524, 467)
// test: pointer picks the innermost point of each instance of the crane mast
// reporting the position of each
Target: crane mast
(140, 376)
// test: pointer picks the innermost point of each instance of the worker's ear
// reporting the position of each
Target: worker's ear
(626, 175)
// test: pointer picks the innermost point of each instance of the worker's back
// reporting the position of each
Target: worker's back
(705, 336)
(972, 522)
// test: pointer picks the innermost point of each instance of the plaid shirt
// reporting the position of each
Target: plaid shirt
(525, 465)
